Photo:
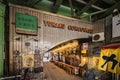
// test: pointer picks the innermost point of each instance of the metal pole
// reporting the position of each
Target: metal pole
(2, 38)
(11, 77)
(72, 11)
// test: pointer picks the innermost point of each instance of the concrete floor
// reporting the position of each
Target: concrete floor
(52, 72)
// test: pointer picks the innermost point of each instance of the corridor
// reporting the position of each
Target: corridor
(52, 72)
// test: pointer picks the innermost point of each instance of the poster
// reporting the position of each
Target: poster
(38, 60)
(28, 60)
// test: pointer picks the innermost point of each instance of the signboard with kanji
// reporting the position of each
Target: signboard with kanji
(110, 60)
(26, 24)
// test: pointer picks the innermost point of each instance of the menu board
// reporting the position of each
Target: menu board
(26, 24)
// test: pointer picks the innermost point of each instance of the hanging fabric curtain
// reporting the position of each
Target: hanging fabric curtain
(110, 58)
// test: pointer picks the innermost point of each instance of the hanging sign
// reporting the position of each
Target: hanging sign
(26, 24)
(110, 60)
(116, 26)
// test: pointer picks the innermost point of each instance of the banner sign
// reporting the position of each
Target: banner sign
(28, 60)
(116, 26)
(26, 24)
(110, 60)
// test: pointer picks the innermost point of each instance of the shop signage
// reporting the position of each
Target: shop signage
(26, 24)
(110, 60)
(69, 27)
(116, 25)
(53, 24)
(76, 28)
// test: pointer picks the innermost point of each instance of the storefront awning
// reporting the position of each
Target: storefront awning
(111, 46)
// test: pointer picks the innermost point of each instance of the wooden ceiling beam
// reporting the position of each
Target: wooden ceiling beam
(56, 5)
(87, 6)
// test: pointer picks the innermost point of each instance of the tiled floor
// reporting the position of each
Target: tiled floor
(52, 72)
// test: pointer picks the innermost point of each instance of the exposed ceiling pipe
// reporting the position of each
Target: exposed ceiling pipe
(87, 6)
(56, 5)
(98, 12)
(110, 1)
(94, 13)
(35, 3)
(110, 10)
(96, 7)
(72, 10)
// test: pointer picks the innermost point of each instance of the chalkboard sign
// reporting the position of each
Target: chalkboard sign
(26, 24)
